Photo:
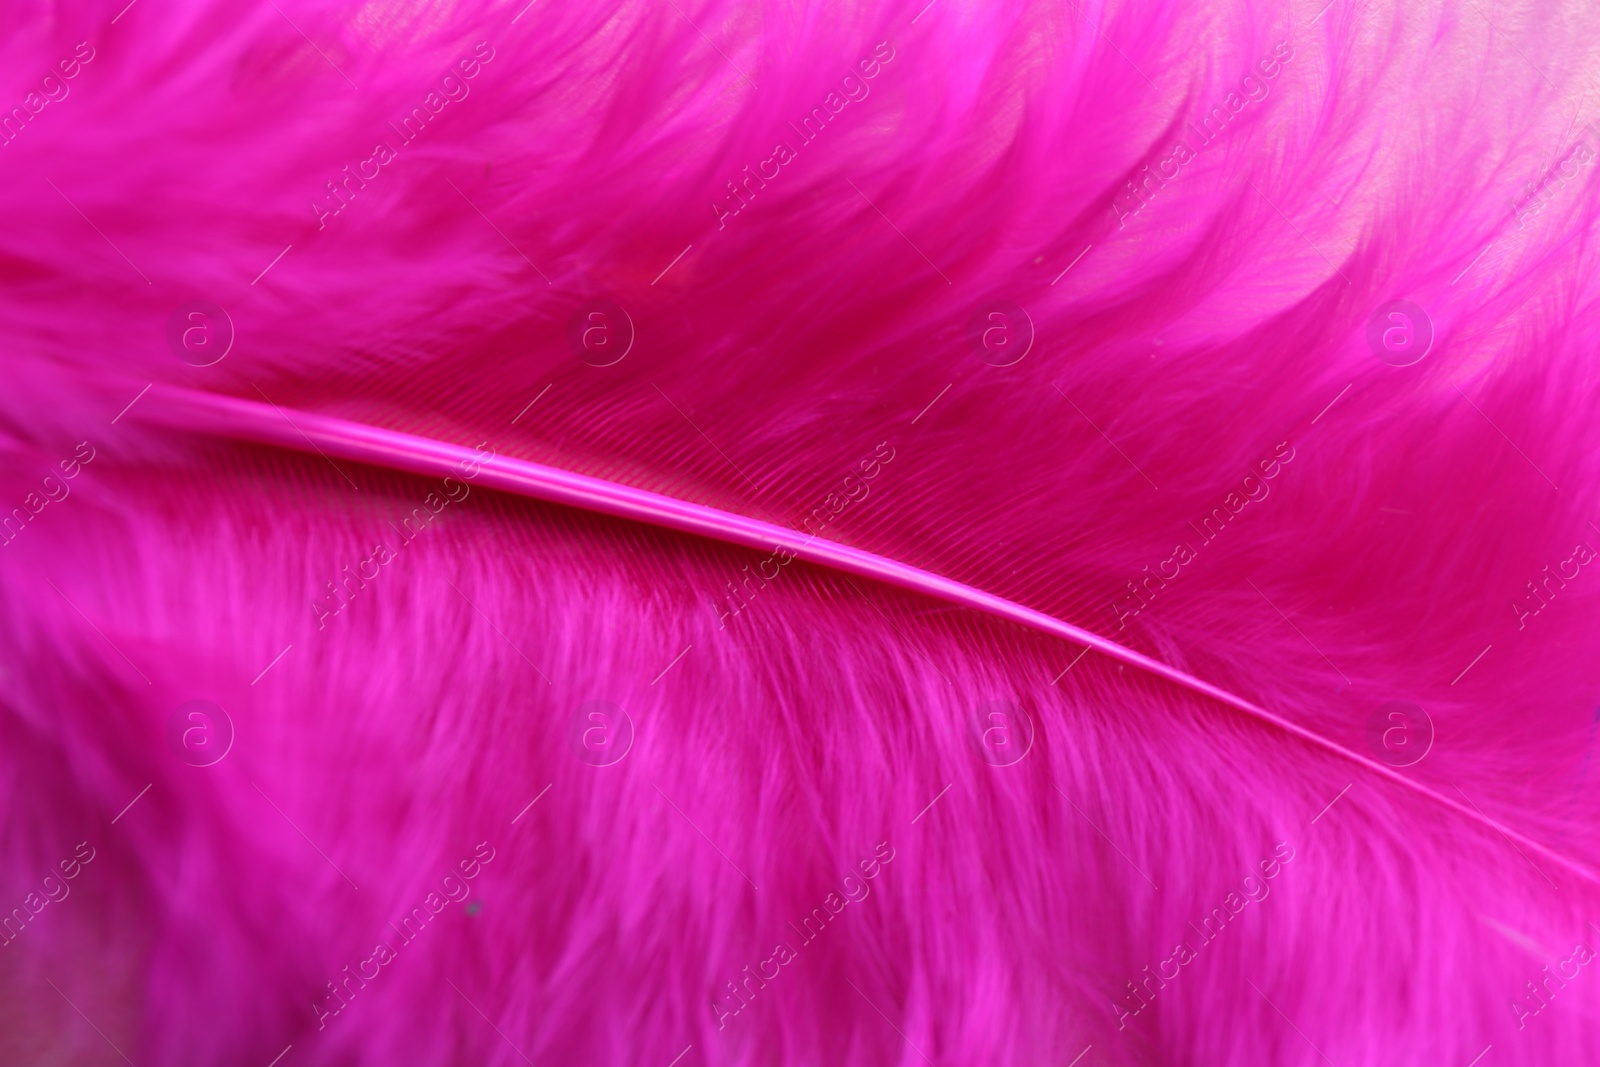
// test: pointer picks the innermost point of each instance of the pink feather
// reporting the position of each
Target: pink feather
(734, 533)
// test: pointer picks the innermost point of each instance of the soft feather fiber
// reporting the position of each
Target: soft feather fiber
(432, 837)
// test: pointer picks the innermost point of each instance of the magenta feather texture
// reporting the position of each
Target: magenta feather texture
(733, 533)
